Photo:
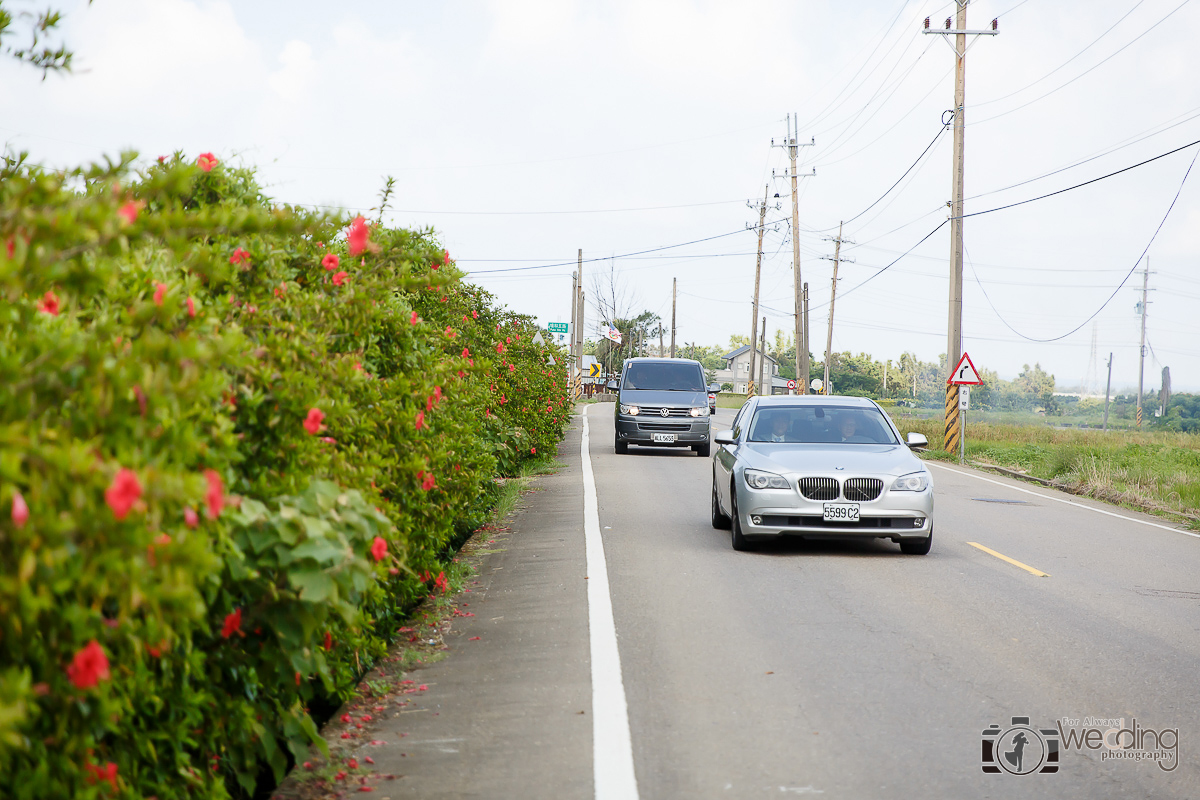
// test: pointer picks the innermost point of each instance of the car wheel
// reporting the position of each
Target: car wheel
(703, 450)
(621, 447)
(917, 547)
(719, 520)
(740, 542)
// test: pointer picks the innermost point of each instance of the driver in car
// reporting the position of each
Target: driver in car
(846, 427)
(779, 428)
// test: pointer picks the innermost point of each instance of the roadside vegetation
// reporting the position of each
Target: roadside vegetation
(238, 443)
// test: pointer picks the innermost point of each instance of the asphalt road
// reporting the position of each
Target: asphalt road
(850, 670)
(839, 670)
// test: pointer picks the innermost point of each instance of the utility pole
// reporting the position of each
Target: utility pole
(762, 215)
(837, 258)
(802, 365)
(574, 328)
(957, 169)
(886, 364)
(577, 333)
(674, 293)
(1107, 390)
(661, 351)
(803, 387)
(1142, 349)
(762, 360)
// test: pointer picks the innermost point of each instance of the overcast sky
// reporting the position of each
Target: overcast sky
(523, 131)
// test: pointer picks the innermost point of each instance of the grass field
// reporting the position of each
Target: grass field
(1158, 472)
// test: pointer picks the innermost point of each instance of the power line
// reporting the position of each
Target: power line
(1085, 183)
(1068, 61)
(928, 147)
(1085, 72)
(879, 272)
(609, 258)
(1119, 286)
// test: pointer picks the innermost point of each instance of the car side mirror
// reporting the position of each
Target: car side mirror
(917, 440)
(714, 387)
(612, 385)
(725, 437)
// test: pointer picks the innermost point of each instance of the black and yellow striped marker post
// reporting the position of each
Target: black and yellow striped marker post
(953, 426)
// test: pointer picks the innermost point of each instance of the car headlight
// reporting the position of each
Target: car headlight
(757, 479)
(632, 411)
(700, 412)
(913, 482)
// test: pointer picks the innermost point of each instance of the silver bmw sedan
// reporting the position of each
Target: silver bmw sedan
(820, 467)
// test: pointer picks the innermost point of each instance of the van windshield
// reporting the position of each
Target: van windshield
(665, 377)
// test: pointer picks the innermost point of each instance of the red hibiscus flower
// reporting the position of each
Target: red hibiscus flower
(500, 347)
(215, 496)
(233, 624)
(450, 332)
(442, 583)
(466, 353)
(123, 493)
(420, 420)
(89, 666)
(160, 290)
(312, 423)
(130, 210)
(206, 161)
(328, 640)
(413, 319)
(49, 304)
(103, 774)
(20, 511)
(330, 262)
(340, 277)
(357, 235)
(191, 307)
(475, 314)
(437, 393)
(378, 548)
(239, 256)
(190, 517)
(429, 483)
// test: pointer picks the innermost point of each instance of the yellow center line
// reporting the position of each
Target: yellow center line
(1012, 561)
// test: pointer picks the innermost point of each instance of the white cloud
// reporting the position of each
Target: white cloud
(296, 76)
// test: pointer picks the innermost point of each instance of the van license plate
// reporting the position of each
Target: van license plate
(663, 437)
(840, 512)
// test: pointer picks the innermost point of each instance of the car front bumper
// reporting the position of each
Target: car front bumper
(771, 513)
(640, 430)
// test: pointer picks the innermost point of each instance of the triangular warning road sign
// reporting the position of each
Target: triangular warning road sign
(537, 338)
(965, 373)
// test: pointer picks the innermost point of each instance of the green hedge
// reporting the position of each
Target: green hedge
(232, 436)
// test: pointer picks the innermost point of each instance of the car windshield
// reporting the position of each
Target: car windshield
(821, 425)
(665, 377)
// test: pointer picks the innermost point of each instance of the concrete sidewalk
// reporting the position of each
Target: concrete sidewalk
(506, 715)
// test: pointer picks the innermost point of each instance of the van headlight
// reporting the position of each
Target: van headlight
(632, 411)
(757, 479)
(913, 482)
(700, 412)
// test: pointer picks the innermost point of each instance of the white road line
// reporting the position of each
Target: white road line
(1068, 502)
(612, 748)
